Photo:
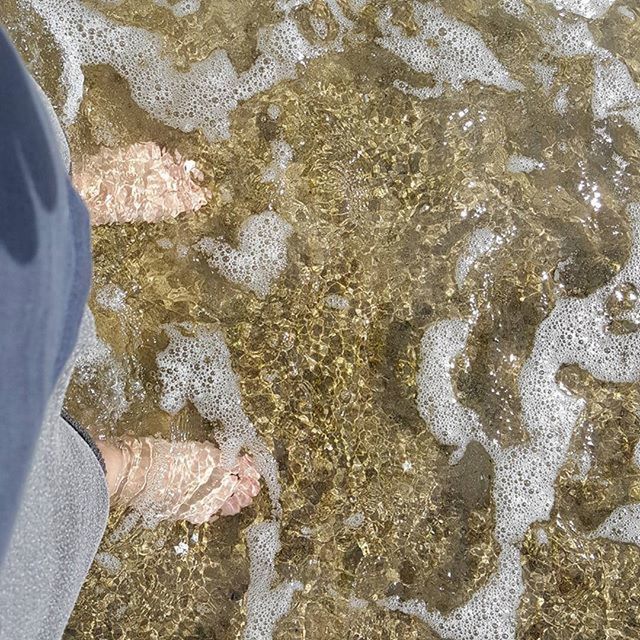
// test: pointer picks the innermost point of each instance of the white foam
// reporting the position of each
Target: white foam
(266, 603)
(340, 303)
(261, 255)
(515, 8)
(181, 549)
(541, 536)
(274, 111)
(112, 297)
(568, 37)
(575, 332)
(544, 74)
(522, 164)
(97, 358)
(201, 97)
(125, 526)
(586, 8)
(584, 459)
(358, 5)
(522, 493)
(110, 563)
(282, 155)
(623, 525)
(165, 243)
(524, 474)
(355, 520)
(182, 250)
(338, 15)
(561, 102)
(320, 27)
(459, 55)
(180, 9)
(614, 91)
(626, 12)
(196, 366)
(452, 424)
(481, 242)
(490, 613)
(357, 603)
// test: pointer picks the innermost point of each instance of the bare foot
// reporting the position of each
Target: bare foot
(177, 480)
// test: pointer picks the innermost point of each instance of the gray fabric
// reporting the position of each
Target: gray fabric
(45, 274)
(57, 531)
(85, 435)
(53, 494)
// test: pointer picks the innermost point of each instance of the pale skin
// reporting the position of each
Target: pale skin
(113, 461)
(177, 480)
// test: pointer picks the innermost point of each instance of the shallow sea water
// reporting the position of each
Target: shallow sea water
(383, 192)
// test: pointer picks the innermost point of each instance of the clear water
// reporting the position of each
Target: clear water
(409, 210)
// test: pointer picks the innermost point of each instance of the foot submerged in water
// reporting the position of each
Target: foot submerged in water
(177, 480)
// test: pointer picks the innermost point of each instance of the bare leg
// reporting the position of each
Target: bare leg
(114, 462)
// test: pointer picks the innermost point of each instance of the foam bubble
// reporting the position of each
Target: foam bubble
(266, 603)
(282, 155)
(544, 74)
(575, 332)
(261, 255)
(200, 98)
(490, 613)
(196, 366)
(541, 536)
(181, 549)
(515, 8)
(453, 424)
(274, 111)
(623, 525)
(460, 54)
(340, 303)
(481, 242)
(586, 8)
(517, 163)
(112, 297)
(561, 102)
(357, 603)
(110, 563)
(319, 26)
(180, 9)
(97, 358)
(358, 5)
(578, 326)
(614, 91)
(125, 526)
(569, 38)
(355, 520)
(626, 12)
